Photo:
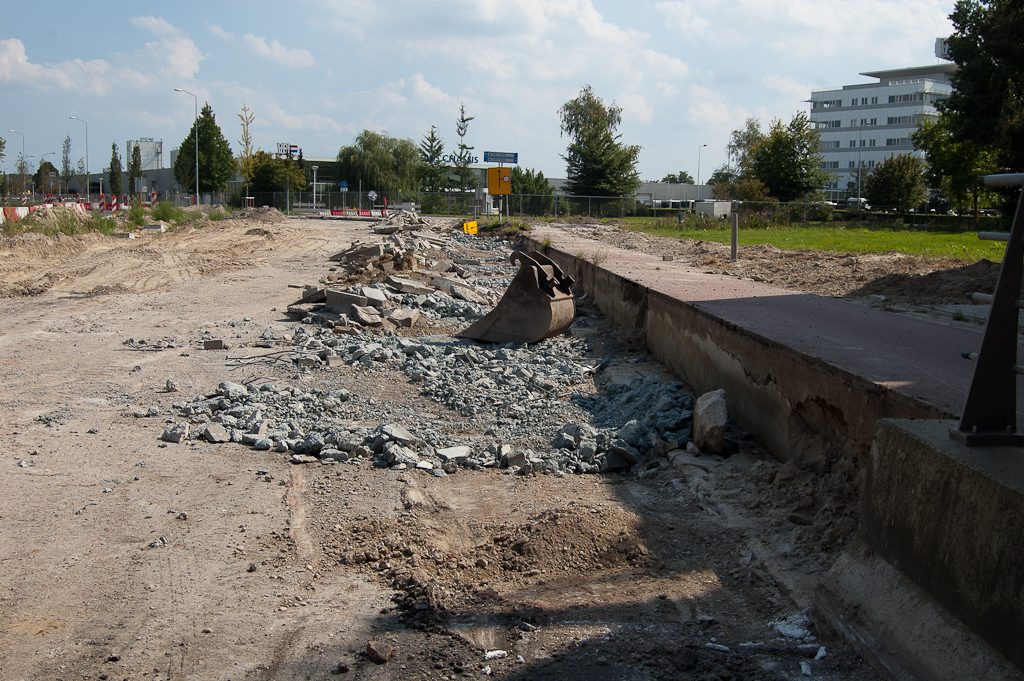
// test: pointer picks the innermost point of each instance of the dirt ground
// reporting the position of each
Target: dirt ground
(125, 557)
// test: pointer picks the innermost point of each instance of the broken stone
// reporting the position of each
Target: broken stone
(232, 391)
(399, 434)
(374, 297)
(176, 434)
(709, 420)
(404, 318)
(216, 433)
(342, 301)
(408, 286)
(378, 652)
(455, 454)
(214, 344)
(367, 316)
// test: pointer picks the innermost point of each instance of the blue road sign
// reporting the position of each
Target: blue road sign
(501, 157)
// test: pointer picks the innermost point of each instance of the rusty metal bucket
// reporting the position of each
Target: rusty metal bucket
(537, 304)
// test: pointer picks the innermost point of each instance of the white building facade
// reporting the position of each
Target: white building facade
(862, 125)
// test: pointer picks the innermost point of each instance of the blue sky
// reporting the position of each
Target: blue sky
(317, 72)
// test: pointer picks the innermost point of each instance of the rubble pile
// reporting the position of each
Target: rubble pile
(261, 214)
(401, 221)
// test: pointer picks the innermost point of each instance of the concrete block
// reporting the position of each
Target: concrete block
(951, 519)
(405, 318)
(408, 286)
(342, 302)
(214, 344)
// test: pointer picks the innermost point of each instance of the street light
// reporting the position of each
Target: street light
(314, 185)
(698, 170)
(178, 89)
(76, 118)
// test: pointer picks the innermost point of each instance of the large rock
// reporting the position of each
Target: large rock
(374, 297)
(399, 434)
(342, 301)
(232, 391)
(709, 420)
(454, 454)
(406, 318)
(409, 286)
(367, 316)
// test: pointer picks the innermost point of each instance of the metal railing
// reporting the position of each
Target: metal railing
(990, 415)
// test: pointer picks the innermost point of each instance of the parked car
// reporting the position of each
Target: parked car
(857, 203)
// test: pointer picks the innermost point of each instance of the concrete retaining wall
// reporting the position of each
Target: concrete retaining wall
(797, 405)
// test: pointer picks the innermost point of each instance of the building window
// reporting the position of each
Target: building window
(864, 101)
(862, 142)
(853, 143)
(871, 143)
(897, 142)
(829, 164)
(830, 124)
(874, 100)
(853, 164)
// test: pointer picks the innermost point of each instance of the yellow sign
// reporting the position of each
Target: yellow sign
(469, 227)
(499, 181)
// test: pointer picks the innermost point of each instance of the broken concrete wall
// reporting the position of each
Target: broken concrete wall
(797, 405)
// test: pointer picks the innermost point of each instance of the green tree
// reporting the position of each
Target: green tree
(114, 178)
(247, 156)
(987, 103)
(3, 147)
(682, 178)
(216, 162)
(47, 178)
(953, 167)
(134, 169)
(67, 170)
(21, 180)
(382, 162)
(537, 193)
(82, 177)
(787, 160)
(597, 163)
(433, 171)
(743, 140)
(270, 174)
(897, 182)
(463, 158)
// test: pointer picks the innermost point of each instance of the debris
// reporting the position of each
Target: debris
(379, 653)
(710, 418)
(214, 344)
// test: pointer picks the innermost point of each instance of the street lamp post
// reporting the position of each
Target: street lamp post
(76, 118)
(698, 170)
(178, 89)
(314, 185)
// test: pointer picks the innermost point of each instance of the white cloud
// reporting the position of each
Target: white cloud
(708, 109)
(220, 32)
(278, 53)
(636, 107)
(428, 93)
(74, 75)
(177, 57)
(786, 87)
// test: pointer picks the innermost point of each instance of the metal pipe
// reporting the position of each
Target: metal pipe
(994, 236)
(178, 89)
(986, 299)
(1002, 180)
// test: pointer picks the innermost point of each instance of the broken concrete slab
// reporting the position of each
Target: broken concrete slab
(404, 318)
(374, 297)
(457, 454)
(312, 294)
(342, 301)
(216, 433)
(367, 316)
(408, 286)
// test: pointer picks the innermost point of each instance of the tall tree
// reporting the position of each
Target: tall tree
(270, 174)
(247, 156)
(82, 177)
(47, 178)
(463, 158)
(3, 146)
(743, 140)
(134, 169)
(433, 171)
(21, 181)
(67, 171)
(897, 182)
(987, 103)
(787, 159)
(216, 162)
(953, 166)
(382, 162)
(597, 163)
(114, 179)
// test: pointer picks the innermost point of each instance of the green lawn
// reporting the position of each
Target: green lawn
(838, 238)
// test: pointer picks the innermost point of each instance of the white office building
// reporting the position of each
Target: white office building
(862, 125)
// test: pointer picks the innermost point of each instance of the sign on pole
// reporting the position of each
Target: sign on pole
(499, 181)
(501, 157)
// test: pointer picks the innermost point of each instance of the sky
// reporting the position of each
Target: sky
(315, 73)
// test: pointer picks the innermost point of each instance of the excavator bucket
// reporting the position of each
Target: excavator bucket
(537, 304)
